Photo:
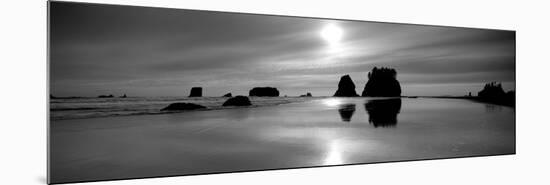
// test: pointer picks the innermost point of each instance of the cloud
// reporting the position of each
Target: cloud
(105, 48)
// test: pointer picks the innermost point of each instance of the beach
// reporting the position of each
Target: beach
(315, 132)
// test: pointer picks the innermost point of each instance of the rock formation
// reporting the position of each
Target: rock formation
(124, 96)
(383, 83)
(237, 101)
(306, 95)
(493, 93)
(227, 95)
(263, 91)
(106, 96)
(346, 87)
(491, 90)
(183, 106)
(196, 92)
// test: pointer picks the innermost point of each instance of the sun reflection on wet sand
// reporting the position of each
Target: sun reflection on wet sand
(332, 102)
(334, 154)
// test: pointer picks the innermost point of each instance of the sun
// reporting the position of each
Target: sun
(332, 34)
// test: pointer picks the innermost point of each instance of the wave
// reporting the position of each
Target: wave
(63, 109)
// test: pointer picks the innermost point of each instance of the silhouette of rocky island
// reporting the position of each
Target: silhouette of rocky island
(182, 106)
(196, 92)
(264, 91)
(237, 101)
(382, 83)
(68, 97)
(227, 95)
(306, 95)
(106, 96)
(346, 111)
(493, 93)
(383, 113)
(123, 96)
(346, 87)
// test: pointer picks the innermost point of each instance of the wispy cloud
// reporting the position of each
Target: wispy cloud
(150, 51)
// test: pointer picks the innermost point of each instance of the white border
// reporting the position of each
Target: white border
(23, 60)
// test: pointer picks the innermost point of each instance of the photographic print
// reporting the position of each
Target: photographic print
(138, 92)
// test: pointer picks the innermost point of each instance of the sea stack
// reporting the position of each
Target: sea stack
(346, 87)
(383, 83)
(227, 95)
(196, 92)
(264, 91)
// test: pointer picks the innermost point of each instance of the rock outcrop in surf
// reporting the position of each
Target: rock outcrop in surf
(182, 106)
(227, 95)
(264, 91)
(106, 96)
(237, 101)
(382, 83)
(346, 87)
(196, 92)
(306, 95)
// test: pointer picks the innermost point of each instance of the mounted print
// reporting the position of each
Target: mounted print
(138, 92)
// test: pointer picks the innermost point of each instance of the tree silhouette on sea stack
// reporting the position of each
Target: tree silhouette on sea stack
(493, 93)
(382, 82)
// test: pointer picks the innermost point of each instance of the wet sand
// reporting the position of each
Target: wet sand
(331, 131)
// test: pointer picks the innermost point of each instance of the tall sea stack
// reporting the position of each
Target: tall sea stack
(382, 82)
(346, 87)
(196, 92)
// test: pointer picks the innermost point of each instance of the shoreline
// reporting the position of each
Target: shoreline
(472, 98)
(330, 131)
(302, 99)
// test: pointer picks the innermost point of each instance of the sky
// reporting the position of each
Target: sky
(107, 49)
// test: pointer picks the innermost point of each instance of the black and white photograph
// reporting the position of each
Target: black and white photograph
(138, 92)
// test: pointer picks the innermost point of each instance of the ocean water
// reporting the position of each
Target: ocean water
(79, 108)
(314, 132)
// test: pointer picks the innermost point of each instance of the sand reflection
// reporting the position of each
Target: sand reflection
(383, 113)
(332, 102)
(346, 111)
(334, 154)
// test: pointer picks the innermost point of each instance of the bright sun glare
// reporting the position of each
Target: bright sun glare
(332, 34)
(332, 102)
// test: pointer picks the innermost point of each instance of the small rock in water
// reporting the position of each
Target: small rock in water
(238, 101)
(183, 106)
